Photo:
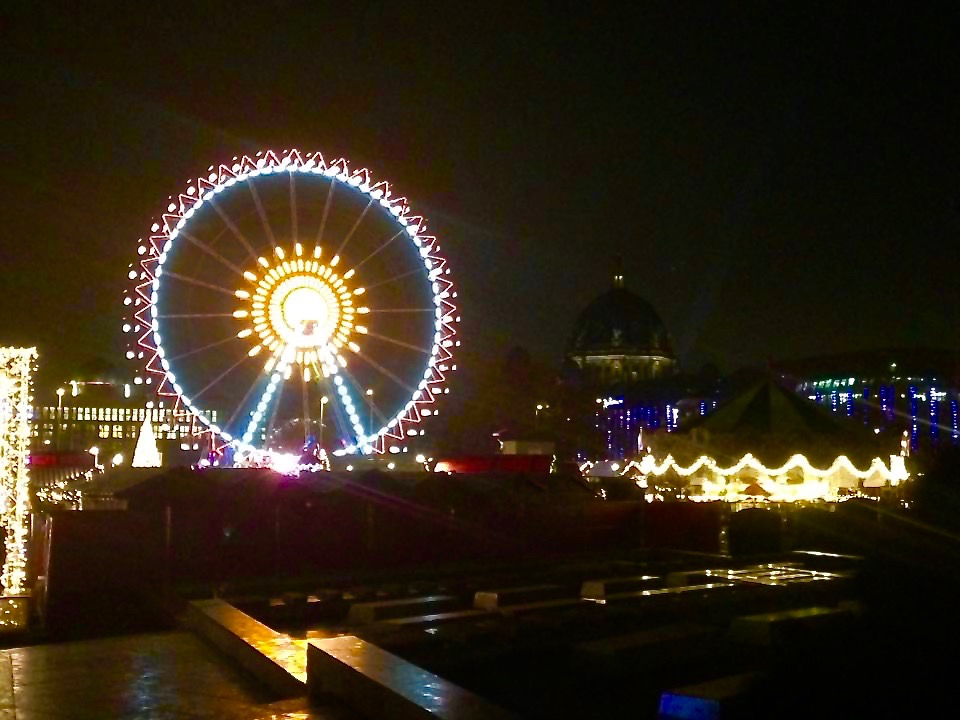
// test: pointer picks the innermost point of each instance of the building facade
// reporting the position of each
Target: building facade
(106, 417)
(912, 391)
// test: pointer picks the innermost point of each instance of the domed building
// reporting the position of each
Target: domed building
(621, 378)
(619, 340)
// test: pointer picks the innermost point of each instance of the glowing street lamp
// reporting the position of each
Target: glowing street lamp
(539, 408)
(117, 460)
(369, 394)
(95, 451)
(60, 393)
(323, 401)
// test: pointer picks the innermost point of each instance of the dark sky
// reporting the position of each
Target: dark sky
(781, 182)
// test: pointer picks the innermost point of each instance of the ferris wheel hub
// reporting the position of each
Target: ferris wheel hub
(300, 309)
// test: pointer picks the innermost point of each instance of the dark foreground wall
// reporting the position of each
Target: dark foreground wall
(193, 534)
(97, 572)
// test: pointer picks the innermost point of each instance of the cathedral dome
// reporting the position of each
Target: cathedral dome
(620, 337)
(620, 322)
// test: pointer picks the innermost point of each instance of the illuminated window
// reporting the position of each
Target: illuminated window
(104, 431)
(118, 431)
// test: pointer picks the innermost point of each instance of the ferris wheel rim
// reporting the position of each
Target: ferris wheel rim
(172, 224)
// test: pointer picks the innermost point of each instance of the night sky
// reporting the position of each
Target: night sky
(781, 183)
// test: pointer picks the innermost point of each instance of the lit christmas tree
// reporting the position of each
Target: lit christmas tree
(146, 454)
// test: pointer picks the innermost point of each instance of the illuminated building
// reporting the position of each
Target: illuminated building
(622, 378)
(105, 415)
(887, 391)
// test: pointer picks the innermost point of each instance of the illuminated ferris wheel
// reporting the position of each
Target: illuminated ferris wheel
(285, 299)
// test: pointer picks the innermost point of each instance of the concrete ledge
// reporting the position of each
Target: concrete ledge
(273, 658)
(370, 612)
(542, 606)
(442, 618)
(499, 599)
(661, 592)
(713, 700)
(378, 684)
(665, 646)
(599, 589)
(771, 629)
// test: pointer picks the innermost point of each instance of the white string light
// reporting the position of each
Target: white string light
(649, 466)
(16, 365)
(727, 483)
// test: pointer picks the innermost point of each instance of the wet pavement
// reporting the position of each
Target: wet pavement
(167, 676)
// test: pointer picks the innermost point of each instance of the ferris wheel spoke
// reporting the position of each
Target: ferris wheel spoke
(354, 228)
(400, 343)
(219, 377)
(385, 372)
(352, 410)
(404, 310)
(198, 283)
(234, 229)
(306, 406)
(273, 411)
(208, 346)
(192, 316)
(263, 215)
(368, 403)
(293, 207)
(341, 420)
(246, 396)
(383, 246)
(395, 278)
(326, 212)
(211, 252)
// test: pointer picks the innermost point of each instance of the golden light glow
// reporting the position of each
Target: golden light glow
(750, 480)
(297, 305)
(16, 365)
(648, 465)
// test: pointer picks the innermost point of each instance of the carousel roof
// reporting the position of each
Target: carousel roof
(773, 423)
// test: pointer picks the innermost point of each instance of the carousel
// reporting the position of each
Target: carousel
(769, 445)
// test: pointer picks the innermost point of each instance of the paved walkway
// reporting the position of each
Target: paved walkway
(169, 676)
